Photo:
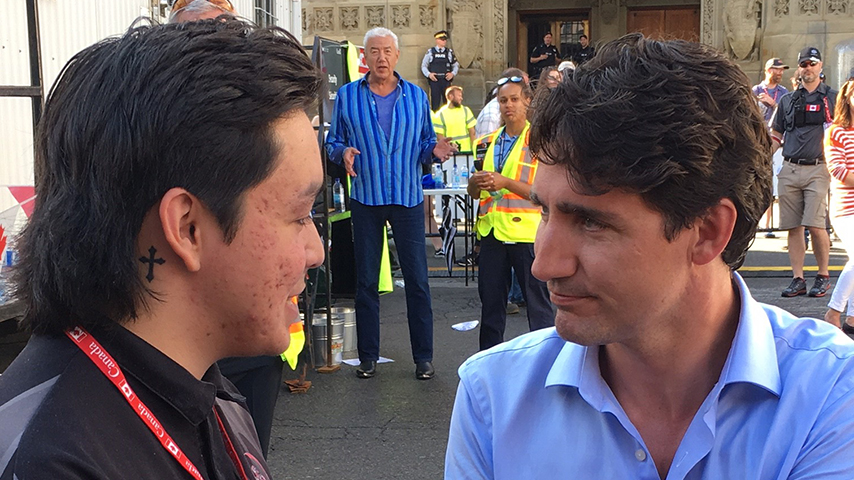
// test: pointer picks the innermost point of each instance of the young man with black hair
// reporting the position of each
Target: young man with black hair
(652, 180)
(585, 53)
(152, 254)
(803, 182)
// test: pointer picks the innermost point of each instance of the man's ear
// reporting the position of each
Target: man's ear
(181, 213)
(714, 230)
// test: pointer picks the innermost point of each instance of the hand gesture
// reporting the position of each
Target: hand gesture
(489, 181)
(349, 158)
(449, 76)
(444, 149)
(432, 77)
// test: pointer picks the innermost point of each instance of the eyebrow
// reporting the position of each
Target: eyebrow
(312, 190)
(579, 210)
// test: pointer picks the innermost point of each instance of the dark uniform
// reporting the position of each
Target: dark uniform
(583, 55)
(440, 63)
(539, 50)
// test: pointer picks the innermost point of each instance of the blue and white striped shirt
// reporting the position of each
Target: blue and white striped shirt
(388, 171)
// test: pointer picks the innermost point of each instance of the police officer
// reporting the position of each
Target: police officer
(585, 53)
(798, 124)
(507, 220)
(440, 66)
(544, 55)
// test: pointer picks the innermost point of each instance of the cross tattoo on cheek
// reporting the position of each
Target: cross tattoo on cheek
(151, 261)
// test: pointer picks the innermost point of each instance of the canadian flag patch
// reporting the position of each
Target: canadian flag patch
(813, 108)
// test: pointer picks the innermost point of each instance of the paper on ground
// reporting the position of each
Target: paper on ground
(465, 326)
(354, 362)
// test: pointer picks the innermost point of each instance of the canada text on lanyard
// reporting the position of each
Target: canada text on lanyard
(108, 366)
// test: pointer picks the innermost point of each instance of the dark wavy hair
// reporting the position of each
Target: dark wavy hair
(185, 105)
(672, 121)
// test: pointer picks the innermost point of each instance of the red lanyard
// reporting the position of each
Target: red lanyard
(776, 92)
(104, 361)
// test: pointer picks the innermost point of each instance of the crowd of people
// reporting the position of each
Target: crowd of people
(623, 201)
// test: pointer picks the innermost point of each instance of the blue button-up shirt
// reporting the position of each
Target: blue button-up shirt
(388, 170)
(537, 408)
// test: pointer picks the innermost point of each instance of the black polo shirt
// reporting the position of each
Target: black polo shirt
(583, 55)
(63, 418)
(804, 141)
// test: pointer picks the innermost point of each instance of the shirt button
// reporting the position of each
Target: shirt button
(640, 455)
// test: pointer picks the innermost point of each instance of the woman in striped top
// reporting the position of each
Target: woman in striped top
(839, 152)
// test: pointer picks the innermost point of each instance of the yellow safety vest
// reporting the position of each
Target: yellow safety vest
(510, 217)
(454, 123)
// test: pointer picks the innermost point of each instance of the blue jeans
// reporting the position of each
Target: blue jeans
(408, 227)
(496, 260)
(515, 290)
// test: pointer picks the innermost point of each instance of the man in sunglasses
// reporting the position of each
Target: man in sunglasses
(193, 10)
(803, 183)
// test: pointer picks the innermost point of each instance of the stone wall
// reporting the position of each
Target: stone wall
(483, 32)
(752, 31)
(478, 31)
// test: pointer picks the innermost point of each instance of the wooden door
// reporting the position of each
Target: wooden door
(665, 23)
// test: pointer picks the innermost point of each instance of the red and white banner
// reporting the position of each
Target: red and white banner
(16, 206)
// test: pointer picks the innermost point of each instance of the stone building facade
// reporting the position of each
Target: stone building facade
(489, 35)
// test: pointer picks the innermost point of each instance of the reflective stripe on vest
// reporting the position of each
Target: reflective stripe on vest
(453, 124)
(510, 217)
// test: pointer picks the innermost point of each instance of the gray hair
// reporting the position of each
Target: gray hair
(195, 8)
(381, 32)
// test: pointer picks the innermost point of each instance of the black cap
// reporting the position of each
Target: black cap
(441, 35)
(809, 53)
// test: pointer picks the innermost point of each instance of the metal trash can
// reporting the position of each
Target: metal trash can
(319, 339)
(348, 316)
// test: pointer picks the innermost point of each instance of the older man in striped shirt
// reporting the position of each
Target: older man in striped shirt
(381, 132)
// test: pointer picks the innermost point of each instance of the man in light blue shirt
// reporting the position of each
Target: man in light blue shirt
(661, 365)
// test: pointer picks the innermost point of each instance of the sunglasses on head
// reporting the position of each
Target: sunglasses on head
(807, 63)
(225, 5)
(514, 79)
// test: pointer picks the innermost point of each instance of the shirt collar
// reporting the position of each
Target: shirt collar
(193, 398)
(364, 80)
(751, 359)
(821, 88)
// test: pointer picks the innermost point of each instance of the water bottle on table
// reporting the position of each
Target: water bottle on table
(338, 195)
(438, 175)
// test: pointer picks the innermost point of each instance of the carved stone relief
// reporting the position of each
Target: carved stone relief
(708, 27)
(781, 8)
(376, 16)
(808, 7)
(608, 11)
(467, 20)
(498, 14)
(349, 18)
(742, 32)
(400, 16)
(427, 15)
(323, 19)
(837, 7)
(306, 21)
